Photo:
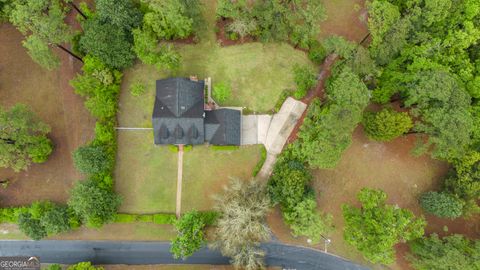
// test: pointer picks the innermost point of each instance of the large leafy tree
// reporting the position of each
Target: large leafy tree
(23, 138)
(386, 124)
(108, 42)
(450, 252)
(168, 19)
(150, 52)
(190, 235)
(327, 129)
(42, 21)
(376, 227)
(241, 227)
(93, 204)
(121, 13)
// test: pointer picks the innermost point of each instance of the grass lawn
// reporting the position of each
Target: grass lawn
(173, 267)
(115, 232)
(206, 171)
(145, 174)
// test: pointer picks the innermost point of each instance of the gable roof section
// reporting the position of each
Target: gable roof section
(222, 127)
(179, 97)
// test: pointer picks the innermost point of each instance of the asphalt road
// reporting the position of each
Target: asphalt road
(122, 252)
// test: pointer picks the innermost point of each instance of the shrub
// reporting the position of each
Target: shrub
(224, 147)
(340, 46)
(164, 218)
(54, 267)
(317, 53)
(304, 220)
(137, 89)
(263, 157)
(221, 92)
(84, 266)
(305, 79)
(125, 218)
(209, 217)
(441, 204)
(94, 205)
(386, 124)
(31, 226)
(190, 235)
(56, 219)
(92, 159)
(104, 133)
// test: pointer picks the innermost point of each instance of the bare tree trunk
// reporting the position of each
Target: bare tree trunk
(364, 39)
(78, 10)
(69, 52)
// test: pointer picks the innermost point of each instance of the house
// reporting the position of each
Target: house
(180, 116)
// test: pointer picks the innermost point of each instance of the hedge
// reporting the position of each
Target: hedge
(224, 147)
(263, 157)
(155, 218)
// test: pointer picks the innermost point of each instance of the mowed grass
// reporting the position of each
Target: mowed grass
(257, 72)
(206, 171)
(145, 174)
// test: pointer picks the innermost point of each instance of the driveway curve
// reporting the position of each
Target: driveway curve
(137, 253)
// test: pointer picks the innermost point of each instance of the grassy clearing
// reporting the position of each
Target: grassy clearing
(145, 174)
(345, 18)
(206, 171)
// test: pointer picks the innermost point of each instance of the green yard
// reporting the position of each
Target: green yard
(145, 175)
(206, 171)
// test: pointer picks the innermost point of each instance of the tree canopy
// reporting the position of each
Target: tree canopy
(376, 227)
(93, 204)
(241, 227)
(450, 252)
(386, 124)
(23, 138)
(190, 235)
(327, 130)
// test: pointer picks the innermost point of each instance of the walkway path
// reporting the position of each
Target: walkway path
(178, 208)
(123, 252)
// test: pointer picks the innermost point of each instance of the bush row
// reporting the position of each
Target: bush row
(208, 217)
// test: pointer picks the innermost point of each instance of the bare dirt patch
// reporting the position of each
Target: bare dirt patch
(347, 18)
(50, 96)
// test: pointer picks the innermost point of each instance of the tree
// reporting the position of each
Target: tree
(23, 138)
(147, 49)
(43, 22)
(441, 204)
(326, 131)
(376, 227)
(92, 159)
(304, 219)
(5, 9)
(450, 252)
(288, 182)
(167, 19)
(438, 98)
(305, 78)
(241, 226)
(190, 236)
(31, 226)
(382, 17)
(84, 266)
(94, 205)
(386, 124)
(121, 13)
(56, 219)
(108, 42)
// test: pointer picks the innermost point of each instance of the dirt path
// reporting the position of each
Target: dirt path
(319, 91)
(178, 207)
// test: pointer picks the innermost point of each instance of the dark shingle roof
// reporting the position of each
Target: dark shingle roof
(179, 116)
(222, 127)
(178, 112)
